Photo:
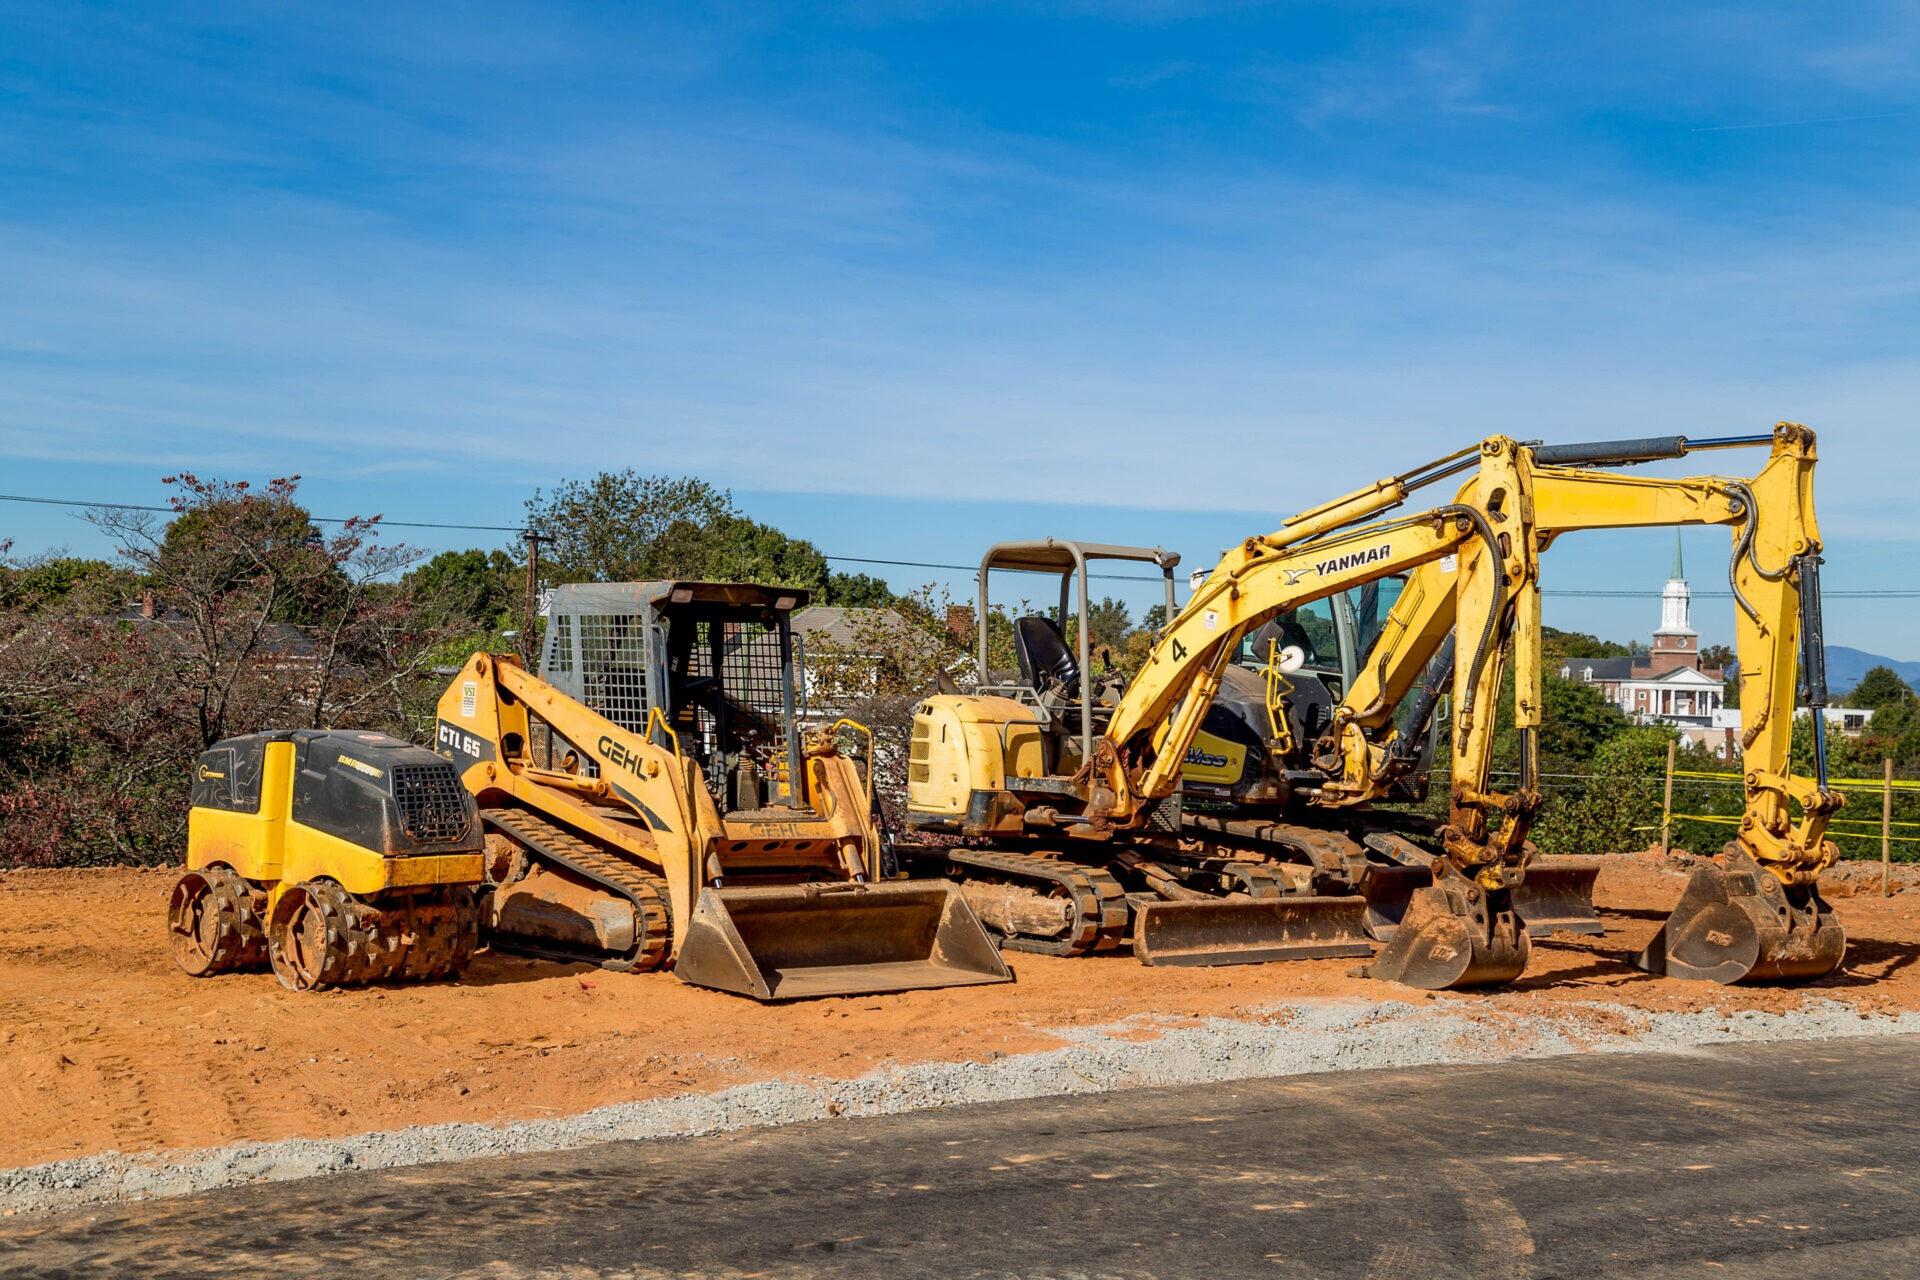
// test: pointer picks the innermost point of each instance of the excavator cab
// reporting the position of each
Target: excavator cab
(1058, 679)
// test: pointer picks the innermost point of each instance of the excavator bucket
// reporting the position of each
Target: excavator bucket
(1389, 891)
(791, 942)
(1557, 896)
(1736, 922)
(1250, 930)
(1451, 937)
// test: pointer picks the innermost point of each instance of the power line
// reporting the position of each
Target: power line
(1883, 593)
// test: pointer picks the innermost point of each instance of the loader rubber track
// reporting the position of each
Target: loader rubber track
(646, 891)
(1100, 912)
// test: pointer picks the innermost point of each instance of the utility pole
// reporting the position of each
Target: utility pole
(1886, 832)
(527, 629)
(1666, 804)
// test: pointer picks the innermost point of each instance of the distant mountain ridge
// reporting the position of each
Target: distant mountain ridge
(1845, 666)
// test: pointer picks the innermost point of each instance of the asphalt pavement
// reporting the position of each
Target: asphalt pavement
(1786, 1160)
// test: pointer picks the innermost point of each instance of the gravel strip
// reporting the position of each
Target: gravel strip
(1296, 1038)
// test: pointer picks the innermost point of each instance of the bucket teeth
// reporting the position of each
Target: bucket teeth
(1737, 922)
(1455, 934)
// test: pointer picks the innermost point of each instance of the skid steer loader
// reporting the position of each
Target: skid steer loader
(336, 857)
(654, 801)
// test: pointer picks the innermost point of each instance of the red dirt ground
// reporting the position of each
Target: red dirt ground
(104, 1044)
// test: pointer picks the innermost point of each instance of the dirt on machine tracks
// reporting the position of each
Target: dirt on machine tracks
(106, 1046)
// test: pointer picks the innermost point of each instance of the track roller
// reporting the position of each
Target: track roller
(213, 919)
(1737, 922)
(1455, 934)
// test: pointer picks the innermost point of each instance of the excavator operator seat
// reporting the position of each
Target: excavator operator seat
(1045, 661)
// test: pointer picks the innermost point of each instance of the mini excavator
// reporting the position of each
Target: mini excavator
(1069, 812)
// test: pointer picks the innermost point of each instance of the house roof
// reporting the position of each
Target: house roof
(282, 639)
(834, 624)
(1602, 668)
(1620, 669)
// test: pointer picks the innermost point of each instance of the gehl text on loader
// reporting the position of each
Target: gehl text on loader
(1068, 802)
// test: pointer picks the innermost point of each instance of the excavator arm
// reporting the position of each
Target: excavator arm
(1757, 911)
(1138, 758)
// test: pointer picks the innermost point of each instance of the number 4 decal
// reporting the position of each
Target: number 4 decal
(1179, 650)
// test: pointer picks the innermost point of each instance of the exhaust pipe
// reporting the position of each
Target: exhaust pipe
(794, 942)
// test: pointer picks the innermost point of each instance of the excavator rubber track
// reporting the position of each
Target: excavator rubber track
(646, 891)
(1100, 913)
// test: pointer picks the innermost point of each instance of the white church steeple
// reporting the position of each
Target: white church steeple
(1675, 600)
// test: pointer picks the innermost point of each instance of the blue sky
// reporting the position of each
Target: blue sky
(911, 277)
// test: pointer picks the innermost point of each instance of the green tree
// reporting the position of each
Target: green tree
(1613, 808)
(1108, 622)
(1717, 656)
(1557, 645)
(623, 526)
(857, 591)
(612, 527)
(93, 586)
(1881, 687)
(469, 590)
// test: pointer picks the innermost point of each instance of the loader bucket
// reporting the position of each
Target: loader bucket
(1388, 891)
(790, 942)
(1448, 940)
(1250, 930)
(1557, 897)
(1737, 922)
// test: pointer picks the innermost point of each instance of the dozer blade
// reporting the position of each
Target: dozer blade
(1736, 922)
(1250, 930)
(790, 942)
(1453, 936)
(1557, 896)
(1389, 891)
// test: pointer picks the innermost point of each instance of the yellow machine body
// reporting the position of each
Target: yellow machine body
(336, 856)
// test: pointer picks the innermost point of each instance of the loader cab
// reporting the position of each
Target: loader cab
(1070, 687)
(709, 667)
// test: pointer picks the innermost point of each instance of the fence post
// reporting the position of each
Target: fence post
(1886, 833)
(1666, 804)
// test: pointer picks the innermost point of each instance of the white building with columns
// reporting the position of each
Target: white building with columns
(1667, 684)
